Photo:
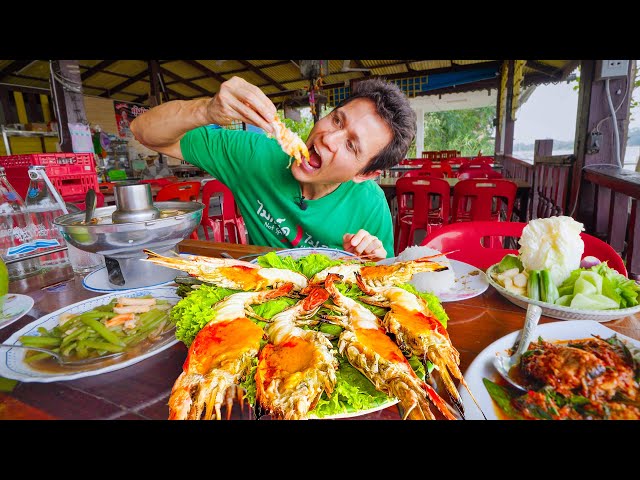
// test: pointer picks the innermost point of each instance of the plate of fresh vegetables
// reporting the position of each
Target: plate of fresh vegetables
(550, 271)
(597, 293)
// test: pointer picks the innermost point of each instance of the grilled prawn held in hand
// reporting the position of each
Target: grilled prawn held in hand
(290, 142)
(219, 357)
(369, 349)
(378, 275)
(297, 365)
(419, 332)
(230, 273)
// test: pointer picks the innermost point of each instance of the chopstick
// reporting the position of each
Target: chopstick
(58, 283)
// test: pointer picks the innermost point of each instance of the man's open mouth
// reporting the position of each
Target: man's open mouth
(314, 161)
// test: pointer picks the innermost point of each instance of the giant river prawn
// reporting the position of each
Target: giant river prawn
(296, 366)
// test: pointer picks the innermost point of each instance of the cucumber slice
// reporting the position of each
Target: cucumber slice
(548, 290)
(533, 285)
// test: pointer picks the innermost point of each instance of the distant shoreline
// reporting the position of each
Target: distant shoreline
(632, 153)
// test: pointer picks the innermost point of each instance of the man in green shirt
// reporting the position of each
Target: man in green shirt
(329, 200)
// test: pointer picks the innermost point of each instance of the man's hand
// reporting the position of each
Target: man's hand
(162, 127)
(238, 100)
(363, 243)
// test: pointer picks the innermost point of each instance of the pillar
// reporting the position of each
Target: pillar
(66, 88)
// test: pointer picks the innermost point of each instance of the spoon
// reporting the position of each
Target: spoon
(503, 363)
(62, 361)
(90, 205)
(249, 257)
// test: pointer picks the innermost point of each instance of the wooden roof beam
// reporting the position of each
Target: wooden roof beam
(115, 74)
(189, 83)
(260, 73)
(125, 84)
(29, 77)
(177, 95)
(96, 68)
(142, 99)
(365, 73)
(13, 67)
(413, 73)
(205, 70)
(23, 88)
(266, 65)
(145, 98)
(542, 68)
(192, 79)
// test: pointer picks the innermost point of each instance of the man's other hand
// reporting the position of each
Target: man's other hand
(363, 243)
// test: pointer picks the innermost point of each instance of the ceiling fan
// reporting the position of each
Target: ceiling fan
(346, 67)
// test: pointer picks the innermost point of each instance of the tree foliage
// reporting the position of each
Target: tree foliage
(468, 131)
(303, 127)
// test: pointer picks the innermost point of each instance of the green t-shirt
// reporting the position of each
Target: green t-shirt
(256, 170)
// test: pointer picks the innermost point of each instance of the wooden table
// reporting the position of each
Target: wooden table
(141, 391)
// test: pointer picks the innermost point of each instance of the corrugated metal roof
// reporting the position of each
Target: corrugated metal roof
(279, 79)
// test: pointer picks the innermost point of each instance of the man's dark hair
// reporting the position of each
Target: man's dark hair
(393, 107)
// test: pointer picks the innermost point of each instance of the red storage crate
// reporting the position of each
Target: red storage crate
(70, 173)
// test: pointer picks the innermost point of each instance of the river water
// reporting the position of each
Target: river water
(631, 156)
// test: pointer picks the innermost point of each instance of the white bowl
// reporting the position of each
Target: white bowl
(558, 311)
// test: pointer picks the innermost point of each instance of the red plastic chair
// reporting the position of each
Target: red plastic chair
(162, 182)
(477, 170)
(423, 204)
(479, 174)
(445, 154)
(457, 160)
(455, 163)
(412, 161)
(230, 220)
(181, 191)
(441, 167)
(432, 155)
(423, 173)
(472, 243)
(481, 160)
(483, 199)
(106, 188)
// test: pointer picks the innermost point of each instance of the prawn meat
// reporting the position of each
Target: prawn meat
(297, 365)
(230, 273)
(220, 357)
(368, 348)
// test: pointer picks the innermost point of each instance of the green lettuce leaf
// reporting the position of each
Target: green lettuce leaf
(195, 310)
(508, 262)
(308, 266)
(600, 280)
(353, 392)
